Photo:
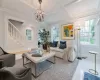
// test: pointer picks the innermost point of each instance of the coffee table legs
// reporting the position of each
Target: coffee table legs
(54, 60)
(35, 75)
(35, 66)
(35, 71)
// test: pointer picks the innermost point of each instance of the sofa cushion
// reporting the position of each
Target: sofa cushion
(62, 45)
(1, 52)
(56, 49)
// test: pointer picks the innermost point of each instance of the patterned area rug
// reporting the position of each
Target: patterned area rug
(88, 76)
(62, 70)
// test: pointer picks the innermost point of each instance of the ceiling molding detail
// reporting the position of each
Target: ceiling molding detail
(72, 2)
(56, 11)
(28, 4)
(95, 14)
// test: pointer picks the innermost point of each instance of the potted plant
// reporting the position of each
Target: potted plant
(44, 35)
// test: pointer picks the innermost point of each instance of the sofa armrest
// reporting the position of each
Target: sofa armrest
(12, 73)
(6, 56)
(7, 60)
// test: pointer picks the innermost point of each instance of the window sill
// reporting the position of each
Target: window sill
(86, 43)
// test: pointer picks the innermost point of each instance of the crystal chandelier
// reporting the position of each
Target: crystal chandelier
(40, 13)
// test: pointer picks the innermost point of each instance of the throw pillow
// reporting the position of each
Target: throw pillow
(62, 45)
(55, 43)
(37, 53)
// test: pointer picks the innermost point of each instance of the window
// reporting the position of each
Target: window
(29, 34)
(87, 33)
(54, 34)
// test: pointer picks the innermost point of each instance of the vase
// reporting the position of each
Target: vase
(45, 46)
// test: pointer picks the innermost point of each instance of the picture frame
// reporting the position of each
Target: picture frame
(68, 31)
(29, 34)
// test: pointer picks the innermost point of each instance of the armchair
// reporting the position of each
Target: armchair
(12, 73)
(6, 59)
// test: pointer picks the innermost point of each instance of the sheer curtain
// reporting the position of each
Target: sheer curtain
(55, 33)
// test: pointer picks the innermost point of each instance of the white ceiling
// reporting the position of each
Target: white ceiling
(56, 10)
(83, 7)
(0, 2)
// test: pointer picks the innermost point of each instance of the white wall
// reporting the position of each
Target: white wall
(4, 15)
(85, 48)
(59, 25)
(2, 29)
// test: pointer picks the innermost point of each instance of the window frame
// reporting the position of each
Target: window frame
(89, 32)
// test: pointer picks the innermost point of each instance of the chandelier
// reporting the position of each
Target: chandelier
(40, 13)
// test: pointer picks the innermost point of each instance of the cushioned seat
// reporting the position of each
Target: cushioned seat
(14, 73)
(56, 49)
(60, 49)
(6, 59)
(68, 53)
(61, 53)
(15, 70)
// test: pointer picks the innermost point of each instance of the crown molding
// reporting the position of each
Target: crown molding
(88, 15)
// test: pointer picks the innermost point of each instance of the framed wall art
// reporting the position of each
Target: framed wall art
(68, 31)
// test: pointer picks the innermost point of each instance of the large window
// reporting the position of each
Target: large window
(87, 33)
(54, 34)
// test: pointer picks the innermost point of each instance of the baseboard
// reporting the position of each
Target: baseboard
(18, 56)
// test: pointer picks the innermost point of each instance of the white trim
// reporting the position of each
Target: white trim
(6, 32)
(6, 19)
(87, 43)
(16, 19)
(93, 14)
(33, 33)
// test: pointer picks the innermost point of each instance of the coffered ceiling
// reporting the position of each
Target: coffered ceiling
(55, 10)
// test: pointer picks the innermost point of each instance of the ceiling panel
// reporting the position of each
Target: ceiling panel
(0, 3)
(18, 6)
(55, 10)
(82, 7)
(50, 6)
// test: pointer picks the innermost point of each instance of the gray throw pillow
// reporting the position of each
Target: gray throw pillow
(37, 53)
(1, 52)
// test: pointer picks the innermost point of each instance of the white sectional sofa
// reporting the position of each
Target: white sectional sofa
(68, 53)
(59, 52)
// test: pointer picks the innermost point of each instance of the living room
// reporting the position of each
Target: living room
(49, 39)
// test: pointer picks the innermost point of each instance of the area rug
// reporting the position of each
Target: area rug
(62, 70)
(88, 76)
